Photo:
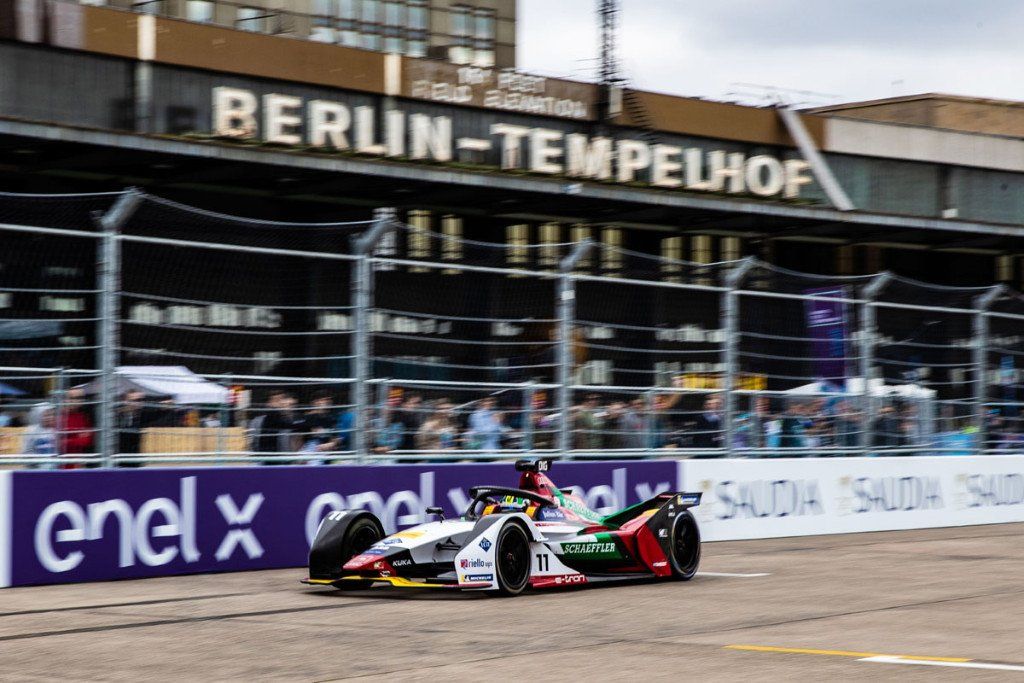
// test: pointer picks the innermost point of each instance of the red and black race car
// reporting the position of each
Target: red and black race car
(510, 538)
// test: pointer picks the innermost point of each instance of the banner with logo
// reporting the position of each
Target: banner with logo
(66, 526)
(826, 325)
(771, 498)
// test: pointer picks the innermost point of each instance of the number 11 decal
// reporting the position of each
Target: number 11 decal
(543, 563)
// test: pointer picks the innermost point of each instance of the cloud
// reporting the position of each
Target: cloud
(854, 49)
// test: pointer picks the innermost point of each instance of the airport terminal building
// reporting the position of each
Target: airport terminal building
(200, 104)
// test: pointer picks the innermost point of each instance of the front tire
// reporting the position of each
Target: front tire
(512, 560)
(685, 548)
(359, 536)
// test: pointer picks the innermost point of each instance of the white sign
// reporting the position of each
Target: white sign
(772, 498)
(289, 120)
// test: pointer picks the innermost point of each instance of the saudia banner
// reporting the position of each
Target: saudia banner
(58, 527)
(796, 497)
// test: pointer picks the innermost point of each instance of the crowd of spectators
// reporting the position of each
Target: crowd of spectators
(321, 430)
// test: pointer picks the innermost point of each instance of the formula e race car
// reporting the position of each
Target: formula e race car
(509, 538)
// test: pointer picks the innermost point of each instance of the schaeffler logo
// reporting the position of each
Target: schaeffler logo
(157, 518)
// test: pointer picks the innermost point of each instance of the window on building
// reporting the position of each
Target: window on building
(370, 12)
(386, 248)
(251, 19)
(451, 245)
(347, 9)
(580, 232)
(418, 14)
(196, 10)
(611, 250)
(1004, 268)
(322, 33)
(416, 28)
(666, 371)
(461, 50)
(483, 37)
(700, 249)
(844, 260)
(731, 249)
(517, 239)
(595, 372)
(550, 237)
(371, 41)
(419, 238)
(671, 255)
(394, 12)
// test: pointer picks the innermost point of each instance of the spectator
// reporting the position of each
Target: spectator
(485, 427)
(708, 429)
(791, 433)
(887, 428)
(589, 421)
(437, 433)
(75, 432)
(388, 432)
(40, 438)
(631, 425)
(319, 424)
(279, 427)
(131, 419)
(410, 418)
(7, 417)
(343, 430)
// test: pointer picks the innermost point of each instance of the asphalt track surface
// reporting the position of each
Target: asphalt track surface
(824, 607)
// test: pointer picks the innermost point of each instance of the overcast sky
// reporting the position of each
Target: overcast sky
(845, 49)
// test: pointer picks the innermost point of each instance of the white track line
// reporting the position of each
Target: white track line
(730, 575)
(960, 665)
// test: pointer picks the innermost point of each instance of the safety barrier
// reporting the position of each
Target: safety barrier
(61, 527)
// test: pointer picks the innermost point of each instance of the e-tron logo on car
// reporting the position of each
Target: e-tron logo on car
(485, 544)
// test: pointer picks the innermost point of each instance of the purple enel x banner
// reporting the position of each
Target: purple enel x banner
(117, 524)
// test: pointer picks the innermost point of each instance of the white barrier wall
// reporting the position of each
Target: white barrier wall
(745, 499)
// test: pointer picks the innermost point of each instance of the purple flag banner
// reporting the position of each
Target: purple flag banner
(98, 525)
(827, 326)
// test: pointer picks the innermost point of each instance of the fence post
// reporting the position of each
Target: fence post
(566, 313)
(868, 332)
(109, 274)
(527, 418)
(982, 303)
(730, 310)
(362, 300)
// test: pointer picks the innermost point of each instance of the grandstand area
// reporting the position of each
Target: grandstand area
(881, 606)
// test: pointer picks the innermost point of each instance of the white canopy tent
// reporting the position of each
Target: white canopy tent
(176, 382)
(855, 387)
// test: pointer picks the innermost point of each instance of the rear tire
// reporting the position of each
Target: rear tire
(359, 536)
(685, 555)
(512, 560)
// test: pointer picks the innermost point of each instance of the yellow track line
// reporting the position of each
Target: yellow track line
(839, 653)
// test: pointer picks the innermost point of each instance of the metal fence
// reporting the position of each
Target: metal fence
(134, 330)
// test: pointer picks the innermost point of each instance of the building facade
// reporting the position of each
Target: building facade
(472, 32)
(245, 123)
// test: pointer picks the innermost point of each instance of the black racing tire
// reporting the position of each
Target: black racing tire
(685, 546)
(512, 560)
(360, 535)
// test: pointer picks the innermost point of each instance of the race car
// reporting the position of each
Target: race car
(509, 539)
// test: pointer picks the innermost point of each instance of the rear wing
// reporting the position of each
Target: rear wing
(682, 500)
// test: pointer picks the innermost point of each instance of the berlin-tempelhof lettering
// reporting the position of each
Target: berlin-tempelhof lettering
(290, 120)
